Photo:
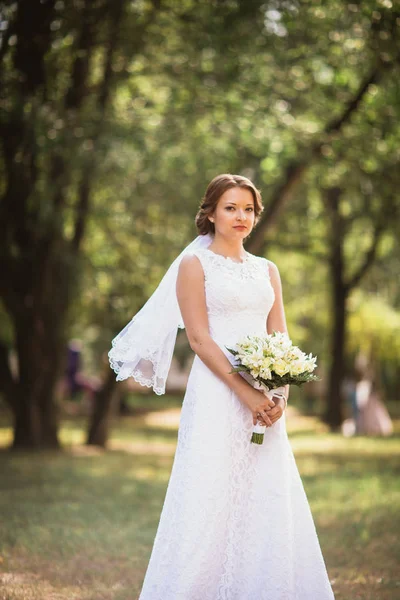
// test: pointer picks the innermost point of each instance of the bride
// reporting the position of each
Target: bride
(236, 523)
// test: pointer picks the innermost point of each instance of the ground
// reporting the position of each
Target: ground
(79, 524)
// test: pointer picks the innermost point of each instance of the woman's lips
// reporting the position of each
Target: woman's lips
(241, 227)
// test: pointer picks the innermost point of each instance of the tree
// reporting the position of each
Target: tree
(343, 285)
(192, 118)
(59, 69)
(148, 101)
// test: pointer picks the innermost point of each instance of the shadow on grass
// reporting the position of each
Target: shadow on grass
(91, 517)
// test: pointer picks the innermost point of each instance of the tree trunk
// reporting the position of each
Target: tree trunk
(6, 377)
(27, 430)
(39, 263)
(40, 348)
(35, 418)
(104, 404)
(334, 401)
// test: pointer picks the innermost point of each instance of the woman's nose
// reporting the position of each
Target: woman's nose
(241, 215)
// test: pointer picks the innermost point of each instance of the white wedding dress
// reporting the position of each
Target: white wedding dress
(236, 523)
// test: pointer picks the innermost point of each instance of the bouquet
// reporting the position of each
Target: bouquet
(272, 361)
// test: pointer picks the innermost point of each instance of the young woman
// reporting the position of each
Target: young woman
(236, 523)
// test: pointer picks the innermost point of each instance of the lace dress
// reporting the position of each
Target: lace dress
(236, 523)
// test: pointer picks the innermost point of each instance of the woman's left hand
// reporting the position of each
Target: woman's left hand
(276, 411)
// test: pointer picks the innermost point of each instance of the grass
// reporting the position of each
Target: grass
(79, 524)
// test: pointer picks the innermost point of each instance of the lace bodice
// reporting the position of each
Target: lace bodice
(239, 295)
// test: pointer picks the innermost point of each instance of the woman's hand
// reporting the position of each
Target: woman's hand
(276, 411)
(260, 406)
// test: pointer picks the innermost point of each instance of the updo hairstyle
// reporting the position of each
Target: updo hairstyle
(214, 191)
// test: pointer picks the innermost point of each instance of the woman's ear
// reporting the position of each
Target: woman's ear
(211, 219)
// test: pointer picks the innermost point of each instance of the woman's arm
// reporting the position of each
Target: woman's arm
(276, 319)
(192, 303)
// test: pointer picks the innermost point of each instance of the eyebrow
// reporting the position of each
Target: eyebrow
(234, 203)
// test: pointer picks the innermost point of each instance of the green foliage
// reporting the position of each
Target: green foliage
(374, 327)
(198, 88)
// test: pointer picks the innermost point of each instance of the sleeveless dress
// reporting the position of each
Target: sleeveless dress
(236, 523)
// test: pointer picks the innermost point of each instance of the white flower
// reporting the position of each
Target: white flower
(297, 367)
(275, 354)
(281, 367)
(310, 363)
(265, 373)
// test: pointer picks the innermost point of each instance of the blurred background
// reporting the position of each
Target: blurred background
(114, 116)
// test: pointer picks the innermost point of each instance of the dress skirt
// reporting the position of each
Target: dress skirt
(236, 523)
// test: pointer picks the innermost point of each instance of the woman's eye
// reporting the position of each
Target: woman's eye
(249, 208)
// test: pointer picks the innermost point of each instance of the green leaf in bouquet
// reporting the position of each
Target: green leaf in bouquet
(239, 370)
(234, 352)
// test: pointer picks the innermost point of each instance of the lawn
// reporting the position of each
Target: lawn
(79, 524)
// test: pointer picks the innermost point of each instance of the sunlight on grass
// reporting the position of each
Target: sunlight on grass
(167, 418)
(80, 523)
(70, 436)
(142, 447)
(5, 436)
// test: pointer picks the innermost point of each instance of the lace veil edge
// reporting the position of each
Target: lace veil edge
(143, 349)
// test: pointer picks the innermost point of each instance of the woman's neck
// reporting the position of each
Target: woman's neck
(228, 248)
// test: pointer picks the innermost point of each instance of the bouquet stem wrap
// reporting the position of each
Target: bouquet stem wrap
(257, 436)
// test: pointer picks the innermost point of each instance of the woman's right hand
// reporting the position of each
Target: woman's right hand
(259, 404)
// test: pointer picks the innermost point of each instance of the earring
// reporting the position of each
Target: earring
(212, 220)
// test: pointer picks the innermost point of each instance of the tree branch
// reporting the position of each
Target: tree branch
(83, 203)
(74, 98)
(368, 259)
(293, 175)
(34, 35)
(295, 171)
(337, 123)
(5, 45)
(80, 69)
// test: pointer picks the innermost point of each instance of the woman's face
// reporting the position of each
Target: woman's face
(234, 214)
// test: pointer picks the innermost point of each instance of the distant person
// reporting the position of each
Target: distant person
(76, 381)
(74, 362)
(372, 415)
(349, 393)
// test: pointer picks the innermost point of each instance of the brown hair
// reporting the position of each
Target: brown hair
(218, 186)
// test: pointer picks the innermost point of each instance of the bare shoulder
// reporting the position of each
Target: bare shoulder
(190, 268)
(190, 261)
(274, 274)
(273, 269)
